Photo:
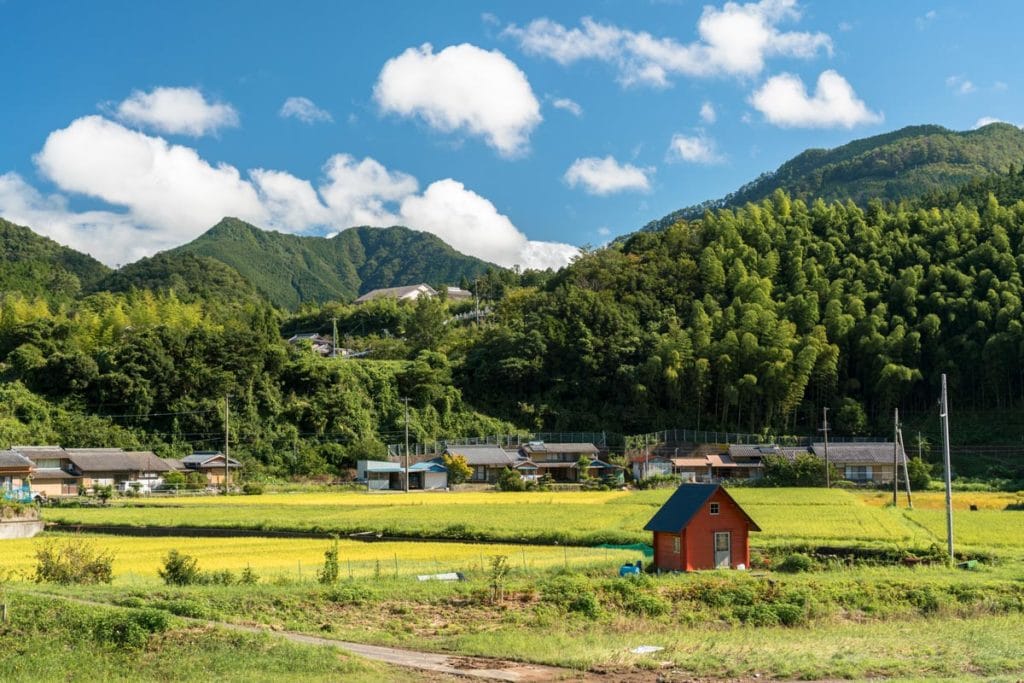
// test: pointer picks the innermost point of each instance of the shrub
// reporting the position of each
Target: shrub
(658, 481)
(328, 574)
(120, 630)
(248, 577)
(510, 480)
(74, 562)
(251, 488)
(223, 577)
(796, 562)
(803, 470)
(458, 469)
(920, 473)
(179, 569)
(192, 609)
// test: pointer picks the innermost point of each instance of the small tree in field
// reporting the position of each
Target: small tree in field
(499, 571)
(74, 562)
(583, 467)
(179, 569)
(510, 480)
(328, 574)
(458, 469)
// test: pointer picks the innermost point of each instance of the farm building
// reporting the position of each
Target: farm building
(15, 469)
(862, 462)
(406, 293)
(700, 526)
(210, 463)
(381, 475)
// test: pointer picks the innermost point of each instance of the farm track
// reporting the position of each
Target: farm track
(432, 662)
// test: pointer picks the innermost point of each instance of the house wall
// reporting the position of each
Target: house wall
(56, 487)
(699, 539)
(435, 480)
(665, 557)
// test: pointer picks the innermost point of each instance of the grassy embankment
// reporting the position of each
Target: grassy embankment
(55, 640)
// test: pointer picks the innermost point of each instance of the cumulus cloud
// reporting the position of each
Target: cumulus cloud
(568, 105)
(734, 40)
(305, 110)
(784, 101)
(162, 195)
(697, 149)
(708, 113)
(178, 111)
(462, 88)
(607, 176)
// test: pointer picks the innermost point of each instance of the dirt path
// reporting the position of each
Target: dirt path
(454, 665)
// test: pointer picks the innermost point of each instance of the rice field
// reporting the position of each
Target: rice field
(137, 559)
(578, 518)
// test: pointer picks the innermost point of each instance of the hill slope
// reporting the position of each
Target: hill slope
(903, 164)
(291, 269)
(38, 266)
(188, 275)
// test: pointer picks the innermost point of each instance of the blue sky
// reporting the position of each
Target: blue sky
(523, 129)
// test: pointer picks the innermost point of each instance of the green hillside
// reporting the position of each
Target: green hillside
(188, 275)
(292, 269)
(907, 163)
(38, 266)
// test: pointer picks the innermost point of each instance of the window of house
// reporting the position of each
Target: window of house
(714, 508)
(858, 472)
(675, 545)
(479, 473)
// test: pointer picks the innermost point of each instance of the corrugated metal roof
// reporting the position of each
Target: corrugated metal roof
(682, 505)
(542, 447)
(201, 458)
(428, 466)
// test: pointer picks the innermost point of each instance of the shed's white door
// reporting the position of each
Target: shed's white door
(723, 550)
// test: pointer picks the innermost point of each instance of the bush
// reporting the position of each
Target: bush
(179, 569)
(510, 480)
(328, 574)
(796, 562)
(74, 562)
(458, 470)
(920, 473)
(659, 481)
(248, 577)
(803, 470)
(129, 629)
(252, 488)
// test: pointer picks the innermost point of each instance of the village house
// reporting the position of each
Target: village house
(54, 474)
(125, 470)
(458, 294)
(382, 475)
(700, 526)
(211, 464)
(314, 341)
(15, 471)
(486, 460)
(560, 460)
(863, 462)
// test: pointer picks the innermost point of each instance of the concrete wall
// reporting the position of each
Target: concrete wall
(20, 528)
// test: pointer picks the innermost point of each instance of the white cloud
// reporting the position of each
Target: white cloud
(784, 101)
(166, 187)
(923, 21)
(697, 149)
(985, 120)
(735, 40)
(178, 111)
(568, 105)
(960, 85)
(604, 232)
(708, 113)
(305, 110)
(162, 195)
(462, 88)
(607, 176)
(846, 26)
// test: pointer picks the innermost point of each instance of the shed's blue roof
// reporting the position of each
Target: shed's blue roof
(428, 466)
(682, 505)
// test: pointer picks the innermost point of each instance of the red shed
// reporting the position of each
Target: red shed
(700, 526)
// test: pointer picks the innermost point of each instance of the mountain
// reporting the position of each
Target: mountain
(903, 164)
(188, 275)
(38, 266)
(292, 269)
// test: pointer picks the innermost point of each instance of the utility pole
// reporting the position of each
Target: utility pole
(227, 444)
(334, 337)
(895, 455)
(944, 416)
(824, 430)
(406, 444)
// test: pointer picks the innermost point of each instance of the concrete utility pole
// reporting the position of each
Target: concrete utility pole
(895, 455)
(334, 337)
(406, 487)
(824, 430)
(944, 416)
(227, 443)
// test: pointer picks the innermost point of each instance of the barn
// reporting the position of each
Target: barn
(700, 526)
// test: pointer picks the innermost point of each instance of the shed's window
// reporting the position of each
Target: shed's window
(675, 545)
(714, 508)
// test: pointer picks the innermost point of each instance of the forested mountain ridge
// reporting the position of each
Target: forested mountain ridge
(38, 266)
(290, 269)
(903, 164)
(753, 319)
